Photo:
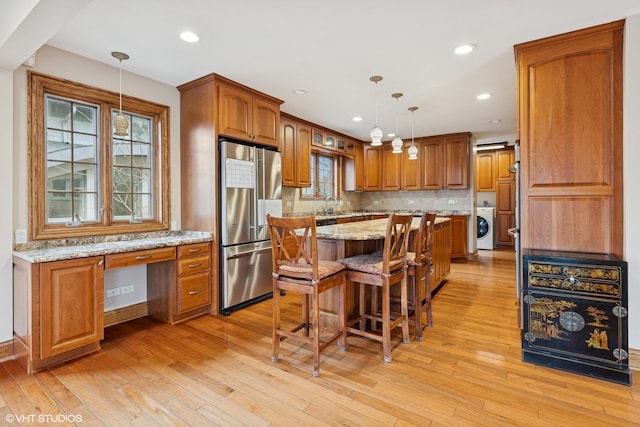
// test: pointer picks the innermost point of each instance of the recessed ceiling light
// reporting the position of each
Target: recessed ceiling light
(300, 91)
(189, 36)
(483, 96)
(357, 119)
(391, 135)
(494, 121)
(464, 49)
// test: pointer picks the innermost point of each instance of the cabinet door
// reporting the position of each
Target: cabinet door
(432, 155)
(456, 160)
(373, 168)
(266, 122)
(71, 304)
(504, 160)
(288, 150)
(571, 179)
(236, 113)
(391, 170)
(359, 167)
(303, 155)
(505, 211)
(485, 171)
(410, 172)
(459, 236)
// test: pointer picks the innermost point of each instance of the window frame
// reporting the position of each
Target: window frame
(336, 161)
(40, 85)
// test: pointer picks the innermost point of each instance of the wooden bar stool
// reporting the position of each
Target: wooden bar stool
(296, 268)
(419, 271)
(382, 271)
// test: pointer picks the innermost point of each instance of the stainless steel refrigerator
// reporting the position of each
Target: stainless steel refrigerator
(250, 187)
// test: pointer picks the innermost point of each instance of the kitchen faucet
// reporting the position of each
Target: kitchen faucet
(328, 210)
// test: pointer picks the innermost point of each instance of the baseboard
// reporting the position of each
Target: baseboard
(634, 359)
(6, 350)
(123, 314)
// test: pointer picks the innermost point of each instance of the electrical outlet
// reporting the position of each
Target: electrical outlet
(376, 202)
(21, 235)
(174, 225)
(410, 202)
(126, 289)
(452, 202)
(113, 292)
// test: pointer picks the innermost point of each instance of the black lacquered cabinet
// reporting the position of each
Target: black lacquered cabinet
(575, 313)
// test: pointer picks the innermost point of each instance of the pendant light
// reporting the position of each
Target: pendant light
(413, 150)
(120, 122)
(397, 141)
(376, 132)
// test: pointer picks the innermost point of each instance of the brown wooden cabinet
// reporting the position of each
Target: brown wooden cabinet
(71, 305)
(372, 168)
(445, 161)
(486, 171)
(505, 197)
(410, 171)
(391, 169)
(247, 115)
(295, 144)
(569, 124)
(459, 236)
(58, 310)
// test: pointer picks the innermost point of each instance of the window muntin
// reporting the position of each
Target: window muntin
(323, 177)
(75, 164)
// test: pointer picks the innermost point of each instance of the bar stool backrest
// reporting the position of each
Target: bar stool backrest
(396, 242)
(294, 247)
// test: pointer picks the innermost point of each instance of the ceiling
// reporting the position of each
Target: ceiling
(328, 48)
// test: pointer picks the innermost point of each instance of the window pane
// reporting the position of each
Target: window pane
(132, 180)
(311, 191)
(71, 173)
(325, 176)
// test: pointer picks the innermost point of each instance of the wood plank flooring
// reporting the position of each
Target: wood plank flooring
(217, 371)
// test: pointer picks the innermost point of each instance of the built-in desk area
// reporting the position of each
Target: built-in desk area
(58, 289)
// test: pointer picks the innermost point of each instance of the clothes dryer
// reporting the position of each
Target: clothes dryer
(486, 234)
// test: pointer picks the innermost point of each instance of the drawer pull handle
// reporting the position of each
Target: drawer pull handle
(141, 257)
(195, 265)
(192, 251)
(195, 292)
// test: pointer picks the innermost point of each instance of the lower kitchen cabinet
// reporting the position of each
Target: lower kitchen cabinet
(459, 236)
(58, 310)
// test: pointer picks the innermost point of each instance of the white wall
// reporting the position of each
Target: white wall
(6, 190)
(632, 172)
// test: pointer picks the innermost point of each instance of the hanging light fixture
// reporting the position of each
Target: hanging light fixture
(376, 132)
(120, 122)
(397, 141)
(413, 150)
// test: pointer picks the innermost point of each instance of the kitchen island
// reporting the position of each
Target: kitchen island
(338, 241)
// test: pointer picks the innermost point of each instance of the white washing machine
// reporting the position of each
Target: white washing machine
(486, 234)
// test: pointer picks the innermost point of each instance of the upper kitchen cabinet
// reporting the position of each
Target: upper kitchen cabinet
(486, 171)
(247, 115)
(391, 169)
(410, 171)
(445, 161)
(372, 168)
(569, 122)
(295, 145)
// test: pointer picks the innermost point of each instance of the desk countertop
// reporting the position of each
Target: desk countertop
(57, 250)
(374, 229)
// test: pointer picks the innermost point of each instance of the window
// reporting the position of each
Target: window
(85, 180)
(323, 177)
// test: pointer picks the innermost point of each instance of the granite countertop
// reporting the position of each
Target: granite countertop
(441, 213)
(61, 249)
(374, 229)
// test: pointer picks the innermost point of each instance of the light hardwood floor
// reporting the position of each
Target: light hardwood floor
(217, 371)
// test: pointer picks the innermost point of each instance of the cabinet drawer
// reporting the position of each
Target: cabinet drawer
(194, 264)
(139, 257)
(194, 249)
(193, 291)
(601, 280)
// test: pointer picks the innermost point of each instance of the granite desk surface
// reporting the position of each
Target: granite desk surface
(374, 229)
(61, 249)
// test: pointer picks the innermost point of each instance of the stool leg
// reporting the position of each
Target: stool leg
(386, 320)
(315, 326)
(417, 303)
(404, 310)
(361, 308)
(342, 315)
(275, 345)
(305, 313)
(428, 299)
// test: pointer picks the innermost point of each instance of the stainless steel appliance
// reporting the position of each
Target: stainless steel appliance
(250, 188)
